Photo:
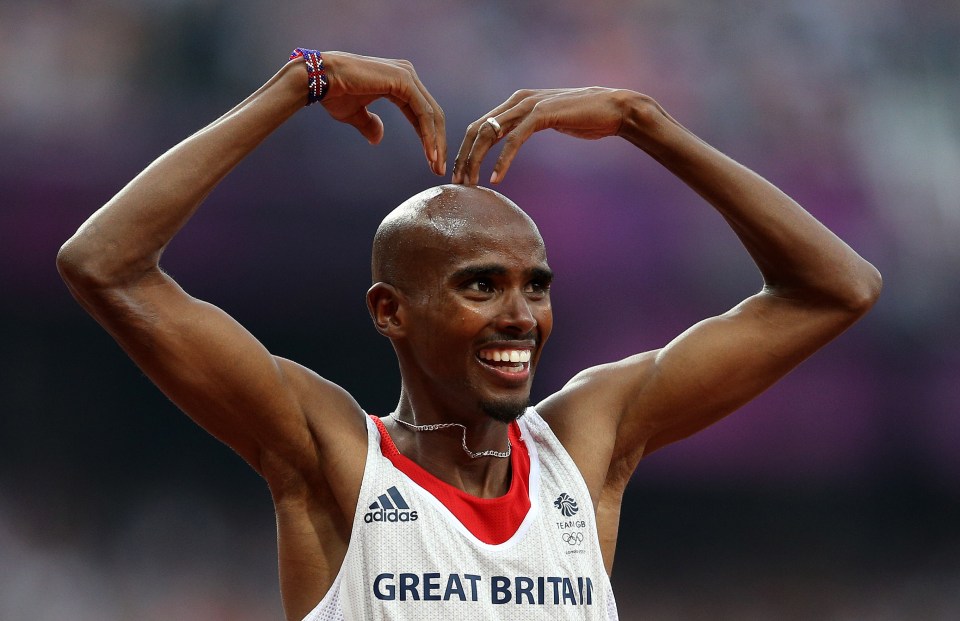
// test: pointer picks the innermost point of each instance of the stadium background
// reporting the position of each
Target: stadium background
(836, 495)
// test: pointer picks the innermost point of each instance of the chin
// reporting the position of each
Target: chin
(505, 410)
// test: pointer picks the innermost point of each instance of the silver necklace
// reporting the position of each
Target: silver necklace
(463, 441)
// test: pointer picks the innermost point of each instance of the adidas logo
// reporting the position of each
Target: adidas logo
(390, 507)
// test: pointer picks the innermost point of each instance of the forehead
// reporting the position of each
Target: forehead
(506, 239)
(449, 228)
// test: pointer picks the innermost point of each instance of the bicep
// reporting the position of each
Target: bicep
(723, 362)
(209, 365)
(621, 411)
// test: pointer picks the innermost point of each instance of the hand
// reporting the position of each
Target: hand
(356, 81)
(589, 113)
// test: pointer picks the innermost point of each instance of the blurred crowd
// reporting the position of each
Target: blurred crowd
(853, 108)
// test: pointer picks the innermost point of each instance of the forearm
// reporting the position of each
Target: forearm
(124, 239)
(796, 255)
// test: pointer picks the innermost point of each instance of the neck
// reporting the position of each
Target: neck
(440, 452)
(483, 432)
(463, 438)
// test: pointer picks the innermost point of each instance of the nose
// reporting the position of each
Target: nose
(516, 314)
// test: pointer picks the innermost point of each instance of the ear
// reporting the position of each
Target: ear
(386, 306)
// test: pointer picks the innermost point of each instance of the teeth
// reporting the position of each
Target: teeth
(506, 355)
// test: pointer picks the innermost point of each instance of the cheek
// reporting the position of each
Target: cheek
(454, 323)
(470, 317)
(545, 321)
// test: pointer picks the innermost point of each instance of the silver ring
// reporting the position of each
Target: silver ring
(492, 122)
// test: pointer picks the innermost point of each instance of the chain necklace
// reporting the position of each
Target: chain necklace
(463, 441)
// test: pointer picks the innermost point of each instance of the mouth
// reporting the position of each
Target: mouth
(510, 362)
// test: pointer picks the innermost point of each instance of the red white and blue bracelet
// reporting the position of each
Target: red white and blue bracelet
(316, 76)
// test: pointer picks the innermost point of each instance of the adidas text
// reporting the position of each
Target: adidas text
(394, 515)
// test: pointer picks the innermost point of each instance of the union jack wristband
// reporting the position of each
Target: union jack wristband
(316, 76)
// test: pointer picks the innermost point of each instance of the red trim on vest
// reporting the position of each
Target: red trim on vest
(491, 520)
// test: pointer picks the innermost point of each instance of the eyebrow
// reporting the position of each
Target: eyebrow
(494, 269)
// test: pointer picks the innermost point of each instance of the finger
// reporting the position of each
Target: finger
(410, 114)
(410, 92)
(460, 164)
(439, 128)
(511, 145)
(473, 148)
(488, 134)
(426, 132)
(368, 124)
(466, 162)
(544, 113)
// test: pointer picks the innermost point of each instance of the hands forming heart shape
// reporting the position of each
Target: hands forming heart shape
(356, 81)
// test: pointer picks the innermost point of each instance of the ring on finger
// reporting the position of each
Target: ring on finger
(492, 122)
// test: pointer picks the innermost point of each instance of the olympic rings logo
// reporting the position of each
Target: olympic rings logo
(573, 539)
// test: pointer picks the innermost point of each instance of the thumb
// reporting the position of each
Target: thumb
(368, 124)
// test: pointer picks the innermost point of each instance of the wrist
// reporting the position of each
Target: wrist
(642, 118)
(312, 60)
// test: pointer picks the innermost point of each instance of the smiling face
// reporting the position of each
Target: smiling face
(473, 311)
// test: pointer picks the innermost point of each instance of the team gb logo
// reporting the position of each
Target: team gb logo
(567, 505)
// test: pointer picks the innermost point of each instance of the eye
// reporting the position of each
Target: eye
(538, 287)
(480, 285)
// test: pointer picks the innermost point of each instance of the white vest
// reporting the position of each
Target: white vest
(411, 559)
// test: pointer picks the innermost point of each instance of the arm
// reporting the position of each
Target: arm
(815, 286)
(202, 359)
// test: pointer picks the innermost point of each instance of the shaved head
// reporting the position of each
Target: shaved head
(461, 271)
(421, 230)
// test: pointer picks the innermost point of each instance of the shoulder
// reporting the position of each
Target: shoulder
(598, 394)
(587, 413)
(333, 440)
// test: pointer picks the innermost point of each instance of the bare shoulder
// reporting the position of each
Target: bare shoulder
(315, 484)
(334, 437)
(587, 413)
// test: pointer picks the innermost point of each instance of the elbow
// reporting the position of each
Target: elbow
(73, 267)
(82, 266)
(96, 271)
(863, 290)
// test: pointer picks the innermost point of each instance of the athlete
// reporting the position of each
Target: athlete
(464, 500)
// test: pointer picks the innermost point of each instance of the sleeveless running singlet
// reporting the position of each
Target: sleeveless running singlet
(422, 550)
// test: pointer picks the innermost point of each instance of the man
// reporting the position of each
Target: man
(455, 504)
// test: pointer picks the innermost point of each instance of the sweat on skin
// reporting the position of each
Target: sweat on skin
(465, 236)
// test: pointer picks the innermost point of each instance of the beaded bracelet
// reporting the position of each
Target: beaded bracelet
(316, 76)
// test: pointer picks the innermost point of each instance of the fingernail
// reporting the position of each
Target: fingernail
(494, 177)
